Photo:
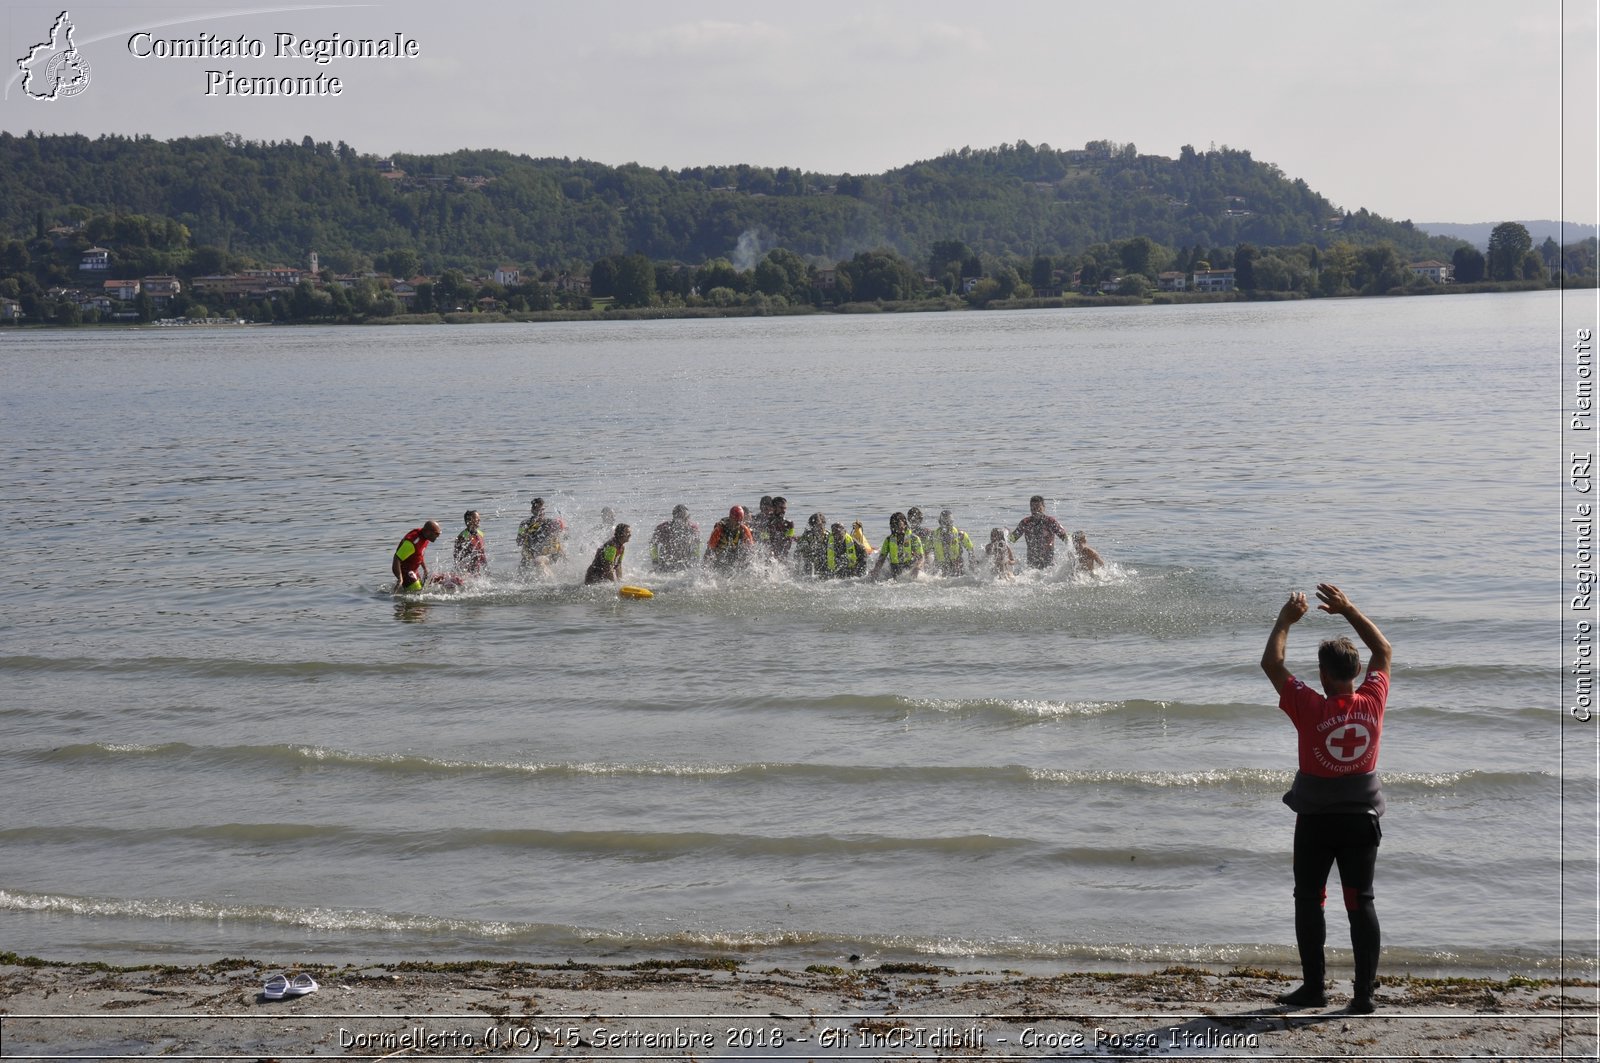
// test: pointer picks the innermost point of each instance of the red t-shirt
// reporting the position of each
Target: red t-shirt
(410, 552)
(1338, 735)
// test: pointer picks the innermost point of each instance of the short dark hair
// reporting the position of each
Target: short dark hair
(1036, 498)
(1339, 658)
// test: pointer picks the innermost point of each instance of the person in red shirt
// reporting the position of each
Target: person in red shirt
(409, 569)
(1336, 792)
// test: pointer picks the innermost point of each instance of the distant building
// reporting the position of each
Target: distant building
(161, 289)
(248, 284)
(126, 291)
(507, 276)
(1212, 280)
(283, 275)
(1172, 281)
(95, 259)
(1433, 269)
(227, 285)
(10, 310)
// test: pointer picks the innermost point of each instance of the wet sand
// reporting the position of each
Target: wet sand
(740, 1010)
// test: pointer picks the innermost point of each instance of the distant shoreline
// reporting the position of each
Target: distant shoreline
(949, 304)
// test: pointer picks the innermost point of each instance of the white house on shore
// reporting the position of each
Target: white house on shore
(1213, 280)
(1433, 269)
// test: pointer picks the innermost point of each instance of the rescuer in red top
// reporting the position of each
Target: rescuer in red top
(1336, 790)
(409, 568)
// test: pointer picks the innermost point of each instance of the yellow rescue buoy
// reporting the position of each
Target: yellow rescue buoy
(636, 592)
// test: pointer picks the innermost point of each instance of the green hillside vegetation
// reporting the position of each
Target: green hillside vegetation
(992, 225)
(473, 210)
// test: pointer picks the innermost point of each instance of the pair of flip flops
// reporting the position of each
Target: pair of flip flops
(280, 986)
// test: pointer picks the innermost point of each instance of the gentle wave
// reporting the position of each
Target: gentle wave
(634, 844)
(1026, 710)
(218, 667)
(945, 852)
(406, 934)
(1468, 674)
(1248, 779)
(1013, 710)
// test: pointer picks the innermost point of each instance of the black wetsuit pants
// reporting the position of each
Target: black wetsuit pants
(1351, 841)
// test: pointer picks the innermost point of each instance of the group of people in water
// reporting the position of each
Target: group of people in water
(821, 550)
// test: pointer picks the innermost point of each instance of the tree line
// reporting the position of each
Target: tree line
(983, 227)
(951, 274)
(272, 203)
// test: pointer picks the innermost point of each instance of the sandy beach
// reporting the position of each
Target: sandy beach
(717, 1008)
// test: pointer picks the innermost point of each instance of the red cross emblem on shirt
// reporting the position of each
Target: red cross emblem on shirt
(1348, 743)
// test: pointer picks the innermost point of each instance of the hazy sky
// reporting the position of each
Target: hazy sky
(1434, 110)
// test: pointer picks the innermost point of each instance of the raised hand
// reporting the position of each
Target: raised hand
(1333, 599)
(1294, 608)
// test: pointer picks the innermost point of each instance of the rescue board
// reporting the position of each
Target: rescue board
(635, 592)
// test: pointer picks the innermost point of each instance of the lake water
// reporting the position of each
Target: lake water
(223, 737)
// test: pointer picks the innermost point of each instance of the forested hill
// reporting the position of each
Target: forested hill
(274, 202)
